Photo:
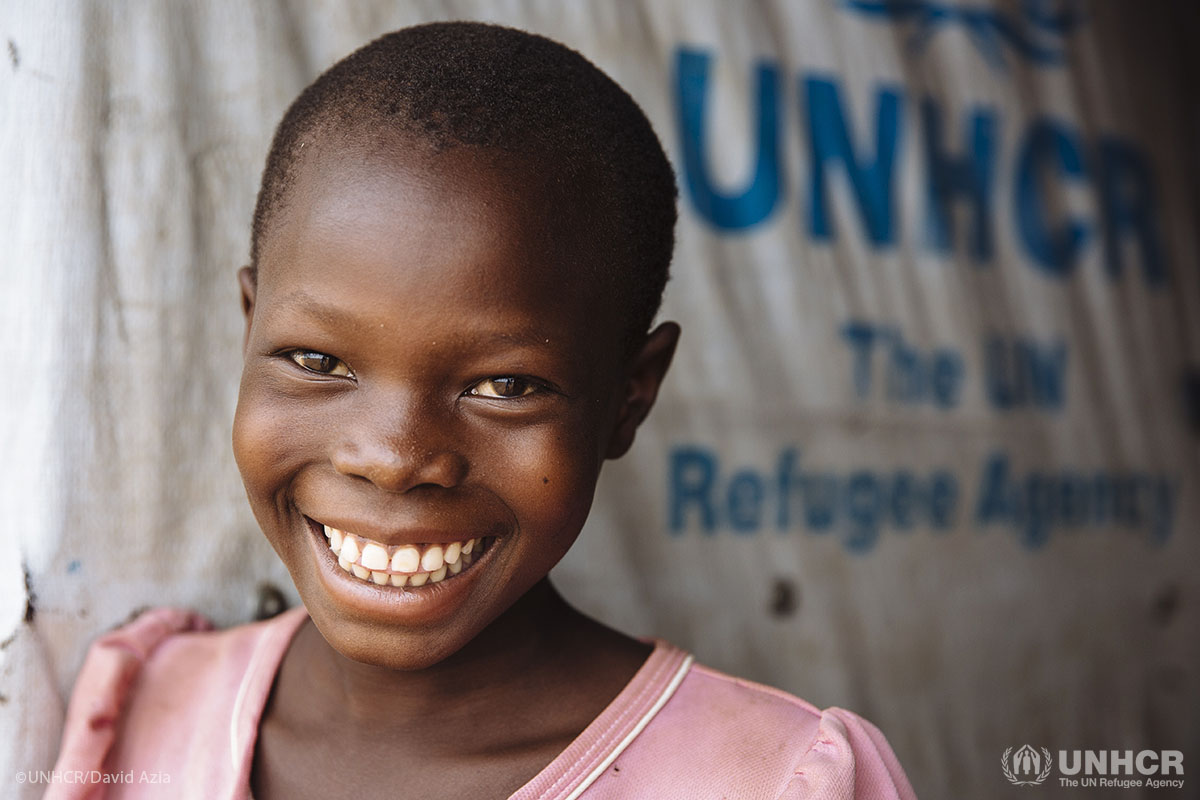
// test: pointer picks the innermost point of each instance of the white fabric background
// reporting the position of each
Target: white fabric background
(133, 135)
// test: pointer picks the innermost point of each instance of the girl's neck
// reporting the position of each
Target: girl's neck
(540, 671)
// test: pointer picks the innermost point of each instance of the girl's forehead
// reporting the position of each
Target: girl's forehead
(460, 219)
(442, 242)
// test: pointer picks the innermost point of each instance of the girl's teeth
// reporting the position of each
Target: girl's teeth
(433, 559)
(406, 559)
(335, 539)
(374, 557)
(407, 565)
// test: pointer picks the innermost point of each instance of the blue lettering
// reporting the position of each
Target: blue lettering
(996, 502)
(969, 175)
(820, 502)
(905, 373)
(860, 336)
(912, 376)
(943, 500)
(755, 203)
(1036, 505)
(1047, 373)
(829, 140)
(787, 485)
(693, 472)
(961, 162)
(1047, 146)
(863, 505)
(904, 499)
(1129, 207)
(1073, 499)
(947, 378)
(1038, 511)
(1021, 373)
(744, 500)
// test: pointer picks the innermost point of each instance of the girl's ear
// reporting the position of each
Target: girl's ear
(248, 281)
(645, 377)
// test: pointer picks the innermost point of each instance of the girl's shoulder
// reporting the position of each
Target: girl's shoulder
(161, 688)
(680, 729)
(748, 732)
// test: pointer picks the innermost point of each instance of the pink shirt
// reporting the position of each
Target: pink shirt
(166, 707)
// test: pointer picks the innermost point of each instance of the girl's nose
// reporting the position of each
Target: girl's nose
(401, 454)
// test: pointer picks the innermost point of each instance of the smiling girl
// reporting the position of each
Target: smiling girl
(460, 245)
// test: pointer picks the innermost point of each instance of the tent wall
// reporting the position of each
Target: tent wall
(928, 450)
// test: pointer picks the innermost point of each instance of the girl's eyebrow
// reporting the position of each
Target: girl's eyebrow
(335, 317)
(521, 338)
(313, 307)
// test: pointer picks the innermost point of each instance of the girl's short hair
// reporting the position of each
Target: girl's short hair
(466, 83)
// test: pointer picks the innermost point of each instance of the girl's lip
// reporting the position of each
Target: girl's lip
(396, 538)
(390, 604)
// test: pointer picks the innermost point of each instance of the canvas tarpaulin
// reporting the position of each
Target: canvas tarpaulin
(929, 447)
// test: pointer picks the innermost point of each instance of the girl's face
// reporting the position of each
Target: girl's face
(424, 368)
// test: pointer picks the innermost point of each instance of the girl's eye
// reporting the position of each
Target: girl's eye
(321, 363)
(504, 388)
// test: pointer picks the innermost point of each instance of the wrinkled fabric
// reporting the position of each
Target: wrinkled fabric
(132, 138)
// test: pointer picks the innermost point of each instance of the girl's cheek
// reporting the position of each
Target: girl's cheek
(260, 438)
